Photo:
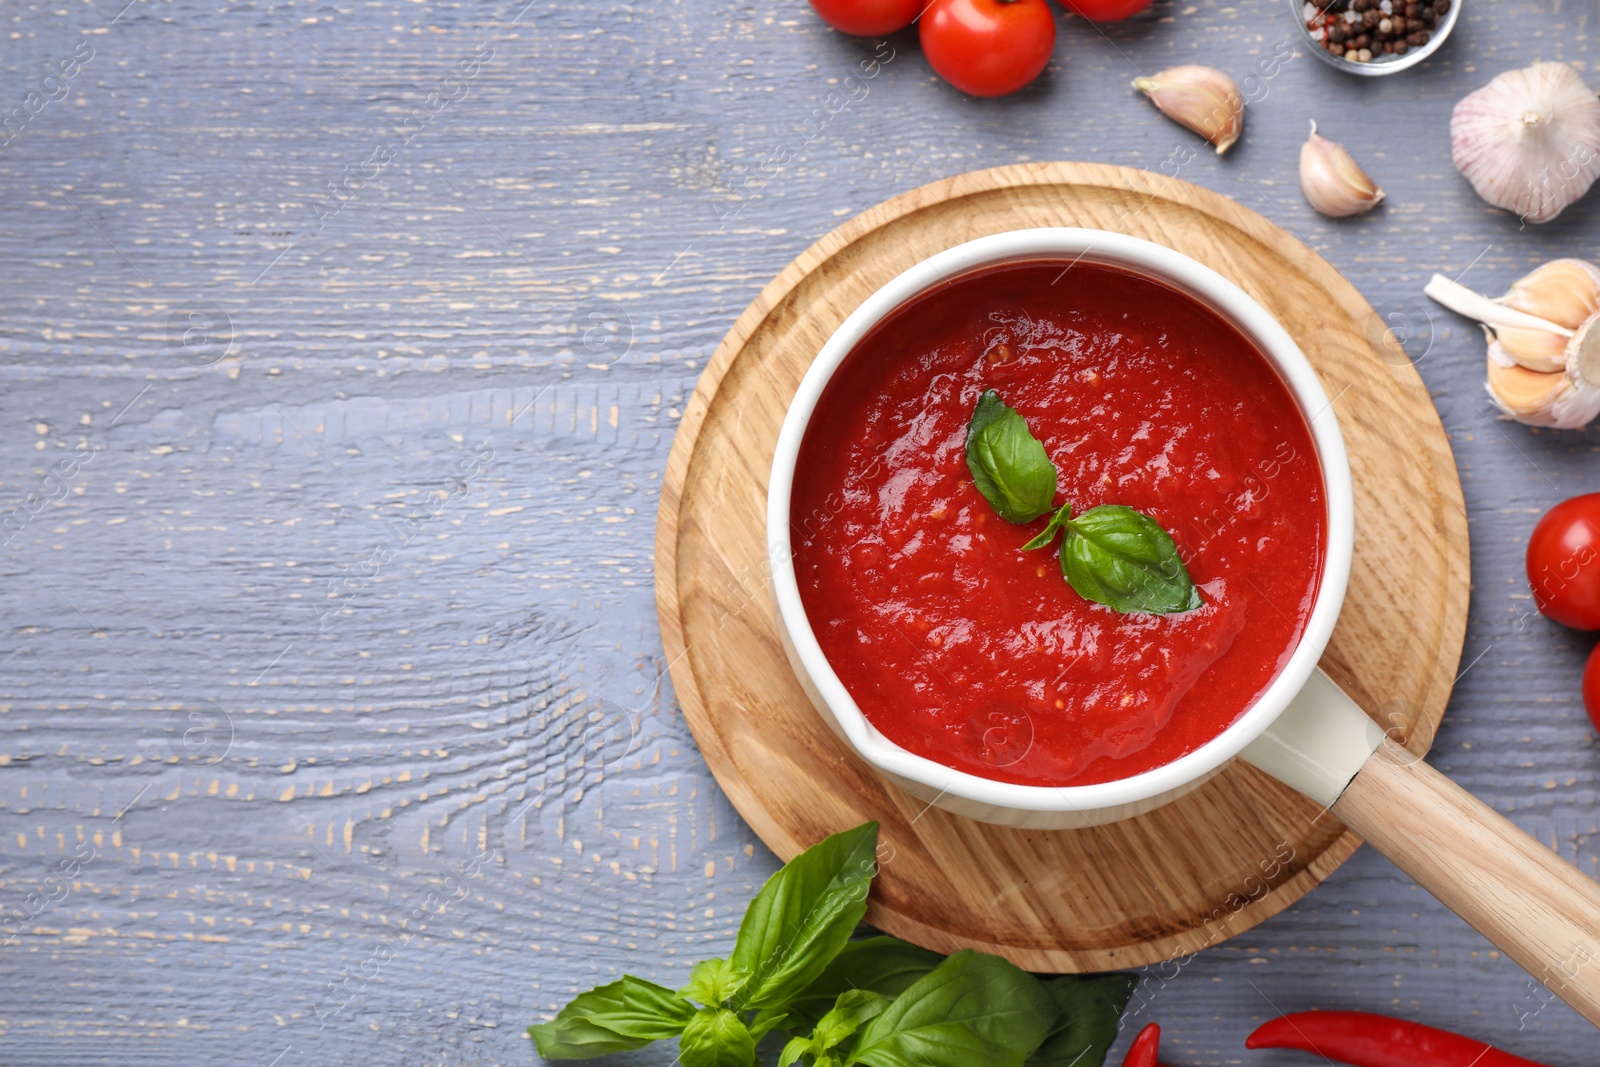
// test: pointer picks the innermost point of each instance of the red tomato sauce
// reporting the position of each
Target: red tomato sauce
(961, 647)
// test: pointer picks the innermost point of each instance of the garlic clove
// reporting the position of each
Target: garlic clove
(1573, 410)
(1563, 291)
(1524, 393)
(1201, 98)
(1332, 181)
(1536, 349)
(1565, 400)
(1529, 141)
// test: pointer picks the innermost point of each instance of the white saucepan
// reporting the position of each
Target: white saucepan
(1303, 730)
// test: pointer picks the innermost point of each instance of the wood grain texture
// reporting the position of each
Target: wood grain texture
(1203, 868)
(606, 162)
(1521, 896)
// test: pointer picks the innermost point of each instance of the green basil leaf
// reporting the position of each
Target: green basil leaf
(852, 1008)
(797, 1047)
(769, 1019)
(1089, 1008)
(716, 1037)
(1122, 558)
(971, 1009)
(714, 981)
(624, 1015)
(1008, 463)
(883, 965)
(850, 1012)
(1057, 521)
(803, 916)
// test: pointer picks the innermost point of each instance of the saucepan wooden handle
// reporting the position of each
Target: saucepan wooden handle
(1524, 898)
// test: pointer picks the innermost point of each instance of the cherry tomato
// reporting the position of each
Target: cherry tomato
(1145, 1048)
(869, 18)
(1591, 687)
(988, 47)
(1564, 562)
(1105, 10)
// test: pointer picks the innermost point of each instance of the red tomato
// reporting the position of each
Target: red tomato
(1106, 10)
(988, 47)
(868, 18)
(1564, 562)
(1591, 687)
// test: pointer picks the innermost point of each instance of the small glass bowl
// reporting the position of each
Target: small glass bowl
(1375, 68)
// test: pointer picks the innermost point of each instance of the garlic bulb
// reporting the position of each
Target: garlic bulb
(1332, 181)
(1544, 342)
(1529, 141)
(1201, 98)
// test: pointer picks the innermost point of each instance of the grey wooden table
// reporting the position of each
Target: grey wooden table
(342, 345)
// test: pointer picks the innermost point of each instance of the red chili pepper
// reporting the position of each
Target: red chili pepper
(1145, 1047)
(1365, 1040)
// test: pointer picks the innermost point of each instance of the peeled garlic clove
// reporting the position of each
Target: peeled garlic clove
(1201, 98)
(1529, 141)
(1563, 291)
(1332, 181)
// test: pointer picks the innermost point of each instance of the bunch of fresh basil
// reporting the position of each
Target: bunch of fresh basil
(879, 1001)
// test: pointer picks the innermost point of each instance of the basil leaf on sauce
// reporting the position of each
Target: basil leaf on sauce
(1008, 463)
(1110, 554)
(1123, 559)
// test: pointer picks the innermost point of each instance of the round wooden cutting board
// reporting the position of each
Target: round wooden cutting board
(1188, 875)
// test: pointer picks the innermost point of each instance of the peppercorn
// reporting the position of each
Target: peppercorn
(1359, 29)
